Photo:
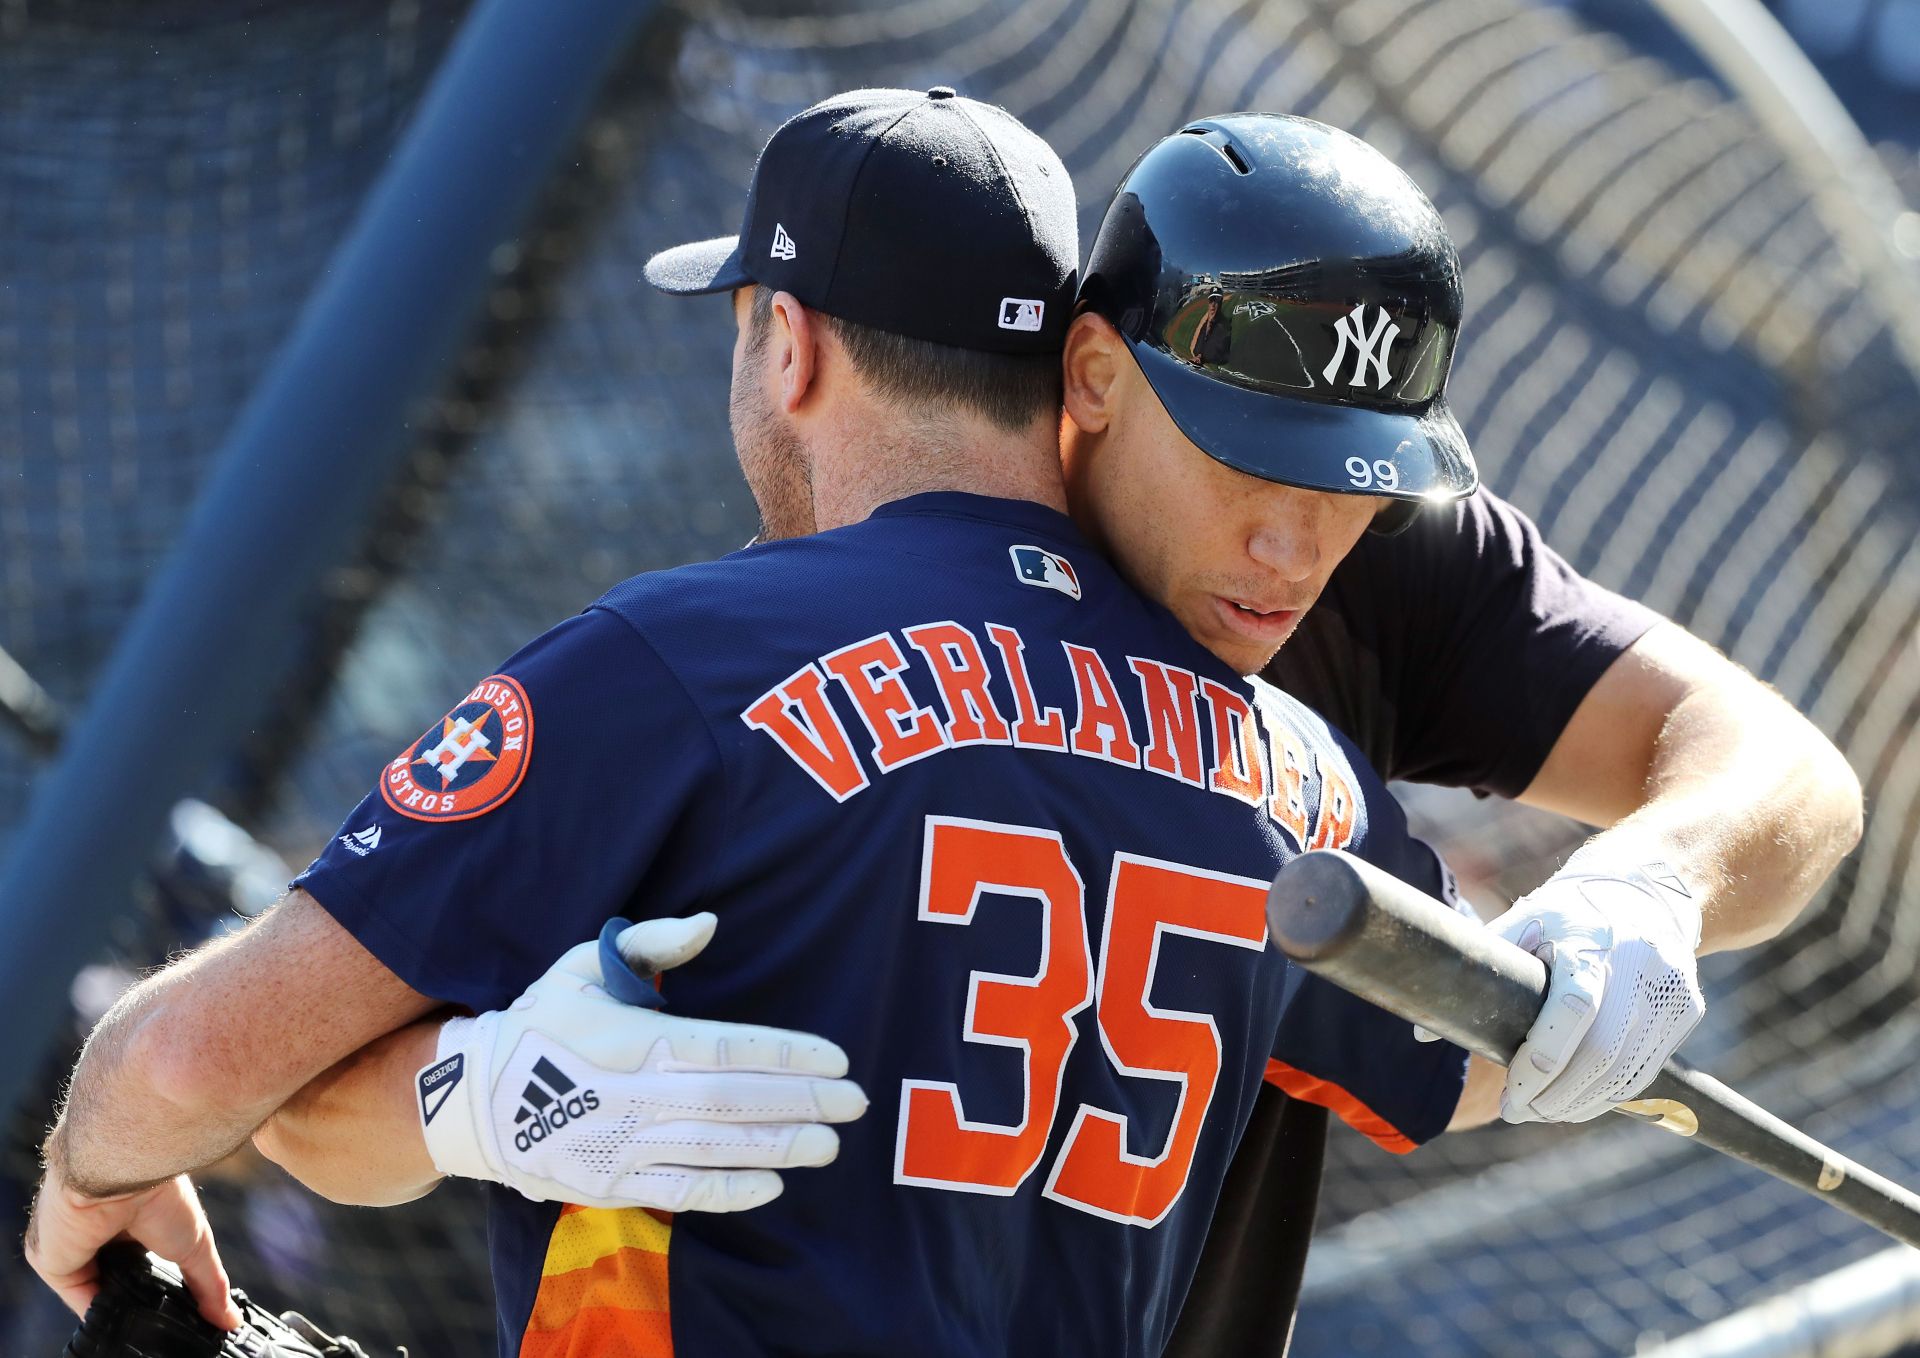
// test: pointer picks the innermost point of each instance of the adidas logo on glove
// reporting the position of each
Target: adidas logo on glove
(549, 1103)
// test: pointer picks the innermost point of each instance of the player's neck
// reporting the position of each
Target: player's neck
(855, 475)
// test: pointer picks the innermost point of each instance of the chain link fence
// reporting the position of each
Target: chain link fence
(1666, 361)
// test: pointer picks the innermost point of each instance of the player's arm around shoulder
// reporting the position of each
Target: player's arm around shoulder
(202, 1051)
(580, 1091)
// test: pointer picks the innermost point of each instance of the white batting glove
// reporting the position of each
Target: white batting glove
(1623, 990)
(569, 1095)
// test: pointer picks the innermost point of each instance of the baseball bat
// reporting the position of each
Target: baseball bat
(1392, 944)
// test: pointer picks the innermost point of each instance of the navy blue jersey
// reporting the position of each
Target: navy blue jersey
(969, 807)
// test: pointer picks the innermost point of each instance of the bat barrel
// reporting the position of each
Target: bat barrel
(1695, 1104)
(1369, 932)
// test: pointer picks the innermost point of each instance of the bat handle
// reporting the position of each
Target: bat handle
(1373, 934)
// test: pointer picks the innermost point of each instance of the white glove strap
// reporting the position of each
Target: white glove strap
(452, 1099)
(1659, 880)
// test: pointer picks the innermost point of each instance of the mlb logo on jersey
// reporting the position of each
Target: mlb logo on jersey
(1035, 567)
(470, 762)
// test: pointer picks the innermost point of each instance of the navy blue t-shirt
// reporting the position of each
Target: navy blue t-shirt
(1456, 652)
(969, 807)
(1453, 654)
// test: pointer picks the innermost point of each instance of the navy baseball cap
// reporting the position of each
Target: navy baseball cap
(926, 215)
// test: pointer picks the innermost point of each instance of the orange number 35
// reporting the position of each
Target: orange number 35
(939, 1147)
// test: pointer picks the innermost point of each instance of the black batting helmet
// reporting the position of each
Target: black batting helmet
(1293, 298)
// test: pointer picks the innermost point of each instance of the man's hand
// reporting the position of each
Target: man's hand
(569, 1095)
(181, 1070)
(67, 1229)
(1624, 988)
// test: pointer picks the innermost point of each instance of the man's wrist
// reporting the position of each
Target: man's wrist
(450, 1097)
(57, 1177)
(57, 1195)
(53, 1151)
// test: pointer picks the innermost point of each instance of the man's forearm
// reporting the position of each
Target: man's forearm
(353, 1134)
(1480, 1096)
(186, 1065)
(1689, 759)
(1755, 808)
(130, 1119)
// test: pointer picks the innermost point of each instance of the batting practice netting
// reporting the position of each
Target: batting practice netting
(1666, 360)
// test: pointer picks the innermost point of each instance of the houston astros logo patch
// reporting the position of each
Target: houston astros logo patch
(469, 762)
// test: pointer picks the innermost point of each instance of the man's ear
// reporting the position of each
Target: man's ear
(795, 341)
(1090, 371)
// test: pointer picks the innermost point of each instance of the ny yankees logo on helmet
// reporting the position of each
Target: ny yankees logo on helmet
(1370, 347)
(1343, 289)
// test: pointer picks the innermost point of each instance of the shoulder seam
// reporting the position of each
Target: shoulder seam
(727, 780)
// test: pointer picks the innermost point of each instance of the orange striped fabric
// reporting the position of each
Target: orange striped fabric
(1312, 1089)
(603, 1287)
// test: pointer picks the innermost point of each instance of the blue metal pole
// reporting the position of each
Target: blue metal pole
(293, 486)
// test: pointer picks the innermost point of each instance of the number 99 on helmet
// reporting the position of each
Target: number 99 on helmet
(1293, 298)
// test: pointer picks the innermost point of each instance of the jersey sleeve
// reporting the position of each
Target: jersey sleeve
(540, 805)
(1362, 1063)
(1489, 642)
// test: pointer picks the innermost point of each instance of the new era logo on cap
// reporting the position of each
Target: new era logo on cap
(1021, 313)
(890, 187)
(1045, 570)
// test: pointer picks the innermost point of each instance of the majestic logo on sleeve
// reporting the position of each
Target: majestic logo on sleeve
(362, 842)
(1035, 567)
(469, 763)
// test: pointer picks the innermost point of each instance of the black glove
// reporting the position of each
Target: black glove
(145, 1311)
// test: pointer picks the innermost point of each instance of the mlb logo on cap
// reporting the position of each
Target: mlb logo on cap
(1021, 313)
(887, 188)
(1044, 569)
